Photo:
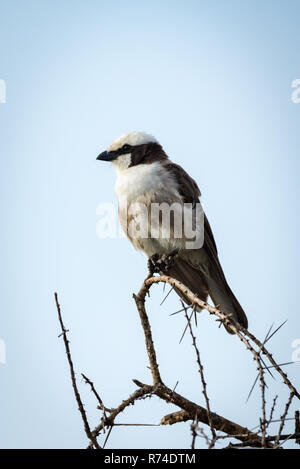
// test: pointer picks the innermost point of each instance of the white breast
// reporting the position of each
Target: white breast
(137, 187)
(143, 181)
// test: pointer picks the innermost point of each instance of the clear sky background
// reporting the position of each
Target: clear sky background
(212, 81)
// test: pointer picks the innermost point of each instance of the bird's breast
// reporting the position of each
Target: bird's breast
(146, 183)
(137, 188)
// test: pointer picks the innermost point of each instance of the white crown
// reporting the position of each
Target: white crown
(132, 138)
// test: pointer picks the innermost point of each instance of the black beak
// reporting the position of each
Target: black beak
(107, 156)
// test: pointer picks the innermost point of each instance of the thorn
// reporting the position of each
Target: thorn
(276, 330)
(166, 296)
(175, 386)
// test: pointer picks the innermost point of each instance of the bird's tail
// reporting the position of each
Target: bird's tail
(222, 296)
(210, 282)
(191, 278)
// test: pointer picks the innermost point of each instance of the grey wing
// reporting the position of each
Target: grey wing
(190, 192)
(200, 269)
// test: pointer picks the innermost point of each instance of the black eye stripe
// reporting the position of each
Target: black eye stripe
(124, 149)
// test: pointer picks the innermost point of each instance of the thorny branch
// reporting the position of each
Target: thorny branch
(201, 371)
(87, 429)
(190, 410)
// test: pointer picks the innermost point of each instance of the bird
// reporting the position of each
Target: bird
(146, 178)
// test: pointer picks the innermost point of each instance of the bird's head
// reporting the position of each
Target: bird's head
(132, 149)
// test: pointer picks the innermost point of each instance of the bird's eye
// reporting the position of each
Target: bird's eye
(126, 147)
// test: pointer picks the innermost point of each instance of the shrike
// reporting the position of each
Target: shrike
(148, 182)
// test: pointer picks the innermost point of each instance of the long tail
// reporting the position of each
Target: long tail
(191, 278)
(222, 296)
(213, 284)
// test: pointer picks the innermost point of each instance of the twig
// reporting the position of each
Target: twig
(204, 386)
(283, 417)
(138, 394)
(140, 303)
(101, 405)
(87, 429)
(263, 401)
(271, 412)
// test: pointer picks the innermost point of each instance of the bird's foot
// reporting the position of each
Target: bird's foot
(161, 263)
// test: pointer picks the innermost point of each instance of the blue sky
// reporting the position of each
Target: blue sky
(212, 81)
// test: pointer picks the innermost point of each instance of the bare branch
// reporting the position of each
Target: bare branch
(243, 334)
(189, 410)
(87, 429)
(283, 417)
(201, 372)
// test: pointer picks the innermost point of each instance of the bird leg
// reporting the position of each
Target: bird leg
(161, 264)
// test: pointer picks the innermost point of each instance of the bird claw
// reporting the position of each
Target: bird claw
(161, 264)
